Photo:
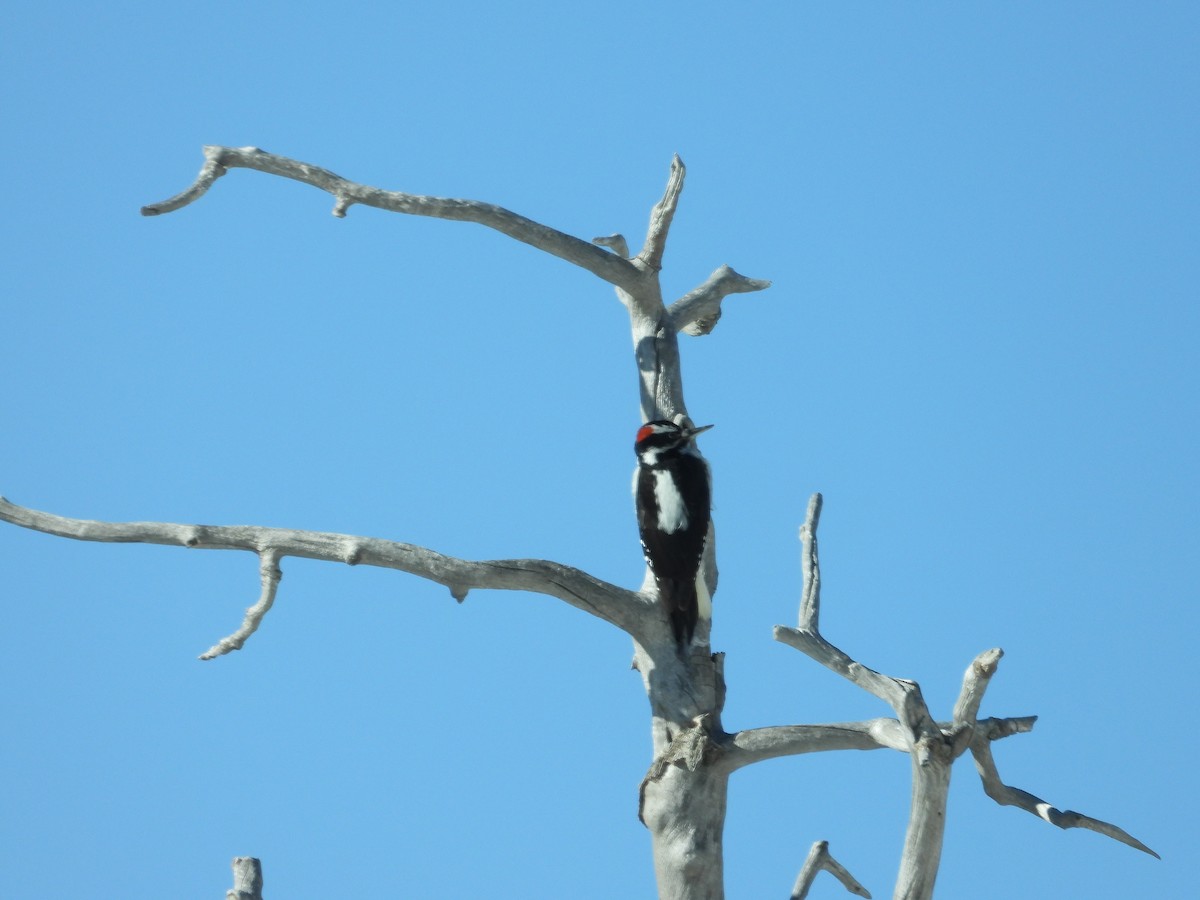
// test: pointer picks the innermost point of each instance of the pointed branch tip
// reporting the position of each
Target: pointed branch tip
(1006, 795)
(615, 243)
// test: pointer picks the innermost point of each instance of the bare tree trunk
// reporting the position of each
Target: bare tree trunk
(682, 800)
(922, 852)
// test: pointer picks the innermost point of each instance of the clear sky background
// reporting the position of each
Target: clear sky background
(981, 223)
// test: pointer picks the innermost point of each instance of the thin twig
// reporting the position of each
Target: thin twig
(270, 574)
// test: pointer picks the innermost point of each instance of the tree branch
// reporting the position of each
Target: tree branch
(270, 575)
(933, 746)
(627, 610)
(903, 696)
(819, 860)
(810, 567)
(614, 242)
(247, 879)
(697, 312)
(661, 217)
(975, 681)
(981, 750)
(755, 745)
(219, 160)
(930, 749)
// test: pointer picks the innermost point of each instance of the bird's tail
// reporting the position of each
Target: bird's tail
(678, 597)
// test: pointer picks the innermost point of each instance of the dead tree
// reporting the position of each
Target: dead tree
(682, 799)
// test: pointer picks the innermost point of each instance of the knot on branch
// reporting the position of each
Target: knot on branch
(690, 749)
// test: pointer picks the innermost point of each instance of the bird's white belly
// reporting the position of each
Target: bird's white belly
(672, 512)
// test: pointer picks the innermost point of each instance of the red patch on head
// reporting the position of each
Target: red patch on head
(644, 432)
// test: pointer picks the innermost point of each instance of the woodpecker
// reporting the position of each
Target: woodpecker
(672, 490)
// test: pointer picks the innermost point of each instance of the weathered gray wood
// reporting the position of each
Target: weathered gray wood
(219, 160)
(818, 861)
(1005, 795)
(684, 807)
(247, 879)
(933, 747)
(626, 609)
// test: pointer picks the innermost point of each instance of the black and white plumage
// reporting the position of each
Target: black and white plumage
(673, 493)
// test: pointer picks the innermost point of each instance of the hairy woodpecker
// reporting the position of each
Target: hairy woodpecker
(672, 492)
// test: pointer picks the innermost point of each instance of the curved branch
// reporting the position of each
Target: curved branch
(627, 610)
(270, 574)
(697, 312)
(219, 160)
(1010, 796)
(614, 242)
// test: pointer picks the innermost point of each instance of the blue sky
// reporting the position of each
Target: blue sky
(980, 345)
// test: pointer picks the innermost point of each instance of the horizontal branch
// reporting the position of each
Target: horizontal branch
(218, 160)
(625, 609)
(758, 744)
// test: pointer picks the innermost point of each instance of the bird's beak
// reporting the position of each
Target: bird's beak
(690, 433)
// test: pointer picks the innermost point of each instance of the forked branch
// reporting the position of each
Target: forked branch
(934, 746)
(818, 861)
